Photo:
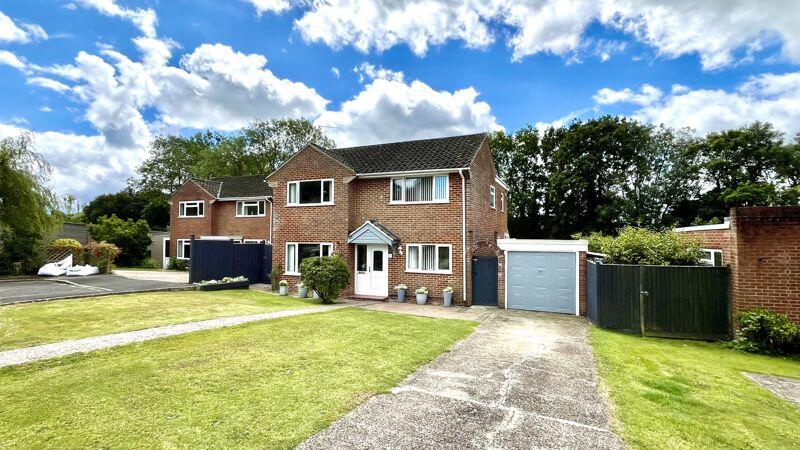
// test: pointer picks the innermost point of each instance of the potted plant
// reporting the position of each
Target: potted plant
(302, 290)
(422, 295)
(448, 296)
(401, 292)
(284, 287)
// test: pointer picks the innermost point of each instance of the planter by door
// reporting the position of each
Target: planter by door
(372, 270)
(401, 295)
(448, 298)
(422, 299)
(284, 290)
(302, 292)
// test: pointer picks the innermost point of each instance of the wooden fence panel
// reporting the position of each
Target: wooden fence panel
(213, 260)
(618, 297)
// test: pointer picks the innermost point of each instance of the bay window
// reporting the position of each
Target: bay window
(313, 192)
(251, 208)
(191, 209)
(297, 252)
(430, 258)
(427, 189)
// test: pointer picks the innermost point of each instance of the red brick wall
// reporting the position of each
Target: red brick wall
(762, 248)
(435, 223)
(485, 224)
(767, 252)
(219, 218)
(311, 224)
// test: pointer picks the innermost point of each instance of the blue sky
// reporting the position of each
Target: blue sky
(96, 80)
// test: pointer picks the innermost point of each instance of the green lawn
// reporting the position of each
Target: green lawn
(38, 323)
(267, 384)
(684, 394)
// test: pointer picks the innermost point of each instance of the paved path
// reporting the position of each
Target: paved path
(522, 380)
(58, 349)
(785, 388)
(166, 276)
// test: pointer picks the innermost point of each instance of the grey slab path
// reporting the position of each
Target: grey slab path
(785, 388)
(521, 381)
(58, 349)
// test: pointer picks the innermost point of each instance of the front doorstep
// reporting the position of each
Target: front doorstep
(371, 298)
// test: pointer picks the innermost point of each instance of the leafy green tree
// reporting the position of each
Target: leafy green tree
(643, 246)
(27, 205)
(152, 206)
(172, 160)
(132, 237)
(327, 275)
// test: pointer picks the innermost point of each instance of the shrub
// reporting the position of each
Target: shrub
(149, 263)
(133, 238)
(26, 248)
(765, 331)
(327, 275)
(642, 246)
(102, 255)
(447, 290)
(422, 290)
(71, 245)
(275, 277)
(400, 286)
(177, 264)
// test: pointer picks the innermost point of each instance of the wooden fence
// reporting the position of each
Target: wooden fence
(666, 301)
(213, 260)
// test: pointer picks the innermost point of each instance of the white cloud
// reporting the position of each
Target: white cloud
(335, 72)
(768, 97)
(648, 95)
(9, 59)
(144, 19)
(390, 110)
(22, 33)
(369, 72)
(48, 83)
(715, 30)
(46, 109)
(274, 6)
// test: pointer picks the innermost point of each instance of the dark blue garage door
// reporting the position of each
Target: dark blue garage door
(541, 281)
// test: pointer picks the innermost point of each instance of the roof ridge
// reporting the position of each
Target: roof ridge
(405, 142)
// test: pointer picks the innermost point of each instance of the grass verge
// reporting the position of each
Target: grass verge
(30, 324)
(269, 384)
(686, 394)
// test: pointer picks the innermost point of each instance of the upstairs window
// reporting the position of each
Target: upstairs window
(251, 208)
(492, 197)
(316, 192)
(191, 209)
(429, 189)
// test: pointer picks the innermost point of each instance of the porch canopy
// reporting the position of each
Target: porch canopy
(373, 232)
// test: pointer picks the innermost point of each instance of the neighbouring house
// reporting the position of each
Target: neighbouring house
(231, 208)
(762, 247)
(416, 212)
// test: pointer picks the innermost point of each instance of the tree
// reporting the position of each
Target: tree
(643, 246)
(27, 205)
(327, 275)
(259, 148)
(132, 237)
(152, 206)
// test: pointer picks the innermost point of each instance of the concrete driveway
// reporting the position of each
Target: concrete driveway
(521, 381)
(72, 287)
(166, 276)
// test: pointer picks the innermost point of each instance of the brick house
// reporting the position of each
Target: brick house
(412, 212)
(236, 208)
(762, 247)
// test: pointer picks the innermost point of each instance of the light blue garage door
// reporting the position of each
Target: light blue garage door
(541, 281)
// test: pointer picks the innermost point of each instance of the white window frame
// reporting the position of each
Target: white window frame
(710, 262)
(260, 205)
(503, 201)
(295, 269)
(201, 204)
(492, 197)
(252, 241)
(321, 203)
(436, 259)
(179, 249)
(403, 201)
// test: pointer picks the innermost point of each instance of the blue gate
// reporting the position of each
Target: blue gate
(213, 260)
(484, 280)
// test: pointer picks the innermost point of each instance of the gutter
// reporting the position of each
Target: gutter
(463, 236)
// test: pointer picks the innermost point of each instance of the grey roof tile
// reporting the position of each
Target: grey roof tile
(237, 187)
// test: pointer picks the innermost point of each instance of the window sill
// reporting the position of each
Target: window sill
(292, 274)
(190, 217)
(308, 204)
(436, 202)
(251, 217)
(430, 272)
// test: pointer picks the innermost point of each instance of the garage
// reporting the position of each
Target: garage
(543, 275)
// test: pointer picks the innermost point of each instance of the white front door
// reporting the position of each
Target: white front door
(372, 269)
(165, 253)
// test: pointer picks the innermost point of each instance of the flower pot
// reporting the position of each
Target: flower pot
(422, 299)
(302, 292)
(448, 299)
(316, 295)
(401, 295)
(283, 290)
